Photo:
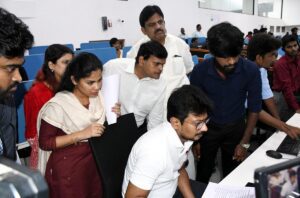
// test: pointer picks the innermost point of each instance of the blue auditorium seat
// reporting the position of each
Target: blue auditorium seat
(38, 49)
(104, 54)
(42, 49)
(93, 45)
(195, 59)
(125, 50)
(32, 64)
(206, 56)
(202, 40)
(189, 40)
(19, 98)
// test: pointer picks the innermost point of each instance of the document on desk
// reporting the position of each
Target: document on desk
(226, 191)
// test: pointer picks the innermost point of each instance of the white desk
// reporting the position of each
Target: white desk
(244, 173)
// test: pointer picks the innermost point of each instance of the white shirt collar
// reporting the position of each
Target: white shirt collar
(175, 140)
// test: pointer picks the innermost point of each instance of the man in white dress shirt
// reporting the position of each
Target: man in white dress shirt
(156, 164)
(142, 91)
(198, 33)
(179, 61)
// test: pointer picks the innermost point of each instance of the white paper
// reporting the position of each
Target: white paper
(226, 191)
(110, 91)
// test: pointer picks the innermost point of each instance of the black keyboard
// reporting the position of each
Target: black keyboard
(289, 146)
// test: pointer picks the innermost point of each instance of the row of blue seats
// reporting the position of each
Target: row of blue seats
(83, 46)
(201, 40)
(34, 62)
(41, 49)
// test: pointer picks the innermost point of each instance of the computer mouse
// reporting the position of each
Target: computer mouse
(274, 154)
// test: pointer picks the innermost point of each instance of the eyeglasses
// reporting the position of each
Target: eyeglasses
(159, 22)
(199, 125)
(10, 68)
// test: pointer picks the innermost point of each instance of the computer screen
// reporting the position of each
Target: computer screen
(277, 181)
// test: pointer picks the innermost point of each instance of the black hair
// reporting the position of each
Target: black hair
(52, 53)
(148, 12)
(182, 30)
(198, 25)
(194, 39)
(263, 30)
(225, 40)
(255, 31)
(262, 44)
(113, 41)
(286, 39)
(15, 37)
(151, 48)
(294, 29)
(185, 100)
(80, 67)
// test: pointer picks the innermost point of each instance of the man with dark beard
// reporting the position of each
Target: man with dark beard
(15, 38)
(228, 80)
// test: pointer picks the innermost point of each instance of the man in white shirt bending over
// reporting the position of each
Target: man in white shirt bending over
(156, 164)
(142, 91)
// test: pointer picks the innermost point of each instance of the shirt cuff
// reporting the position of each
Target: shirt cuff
(142, 181)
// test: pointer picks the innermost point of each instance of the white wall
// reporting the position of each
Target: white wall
(291, 14)
(69, 21)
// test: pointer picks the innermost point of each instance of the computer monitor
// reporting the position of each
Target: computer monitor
(279, 180)
(20, 181)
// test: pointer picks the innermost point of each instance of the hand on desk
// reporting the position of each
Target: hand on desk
(293, 132)
(240, 153)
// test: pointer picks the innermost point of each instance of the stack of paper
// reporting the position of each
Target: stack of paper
(225, 191)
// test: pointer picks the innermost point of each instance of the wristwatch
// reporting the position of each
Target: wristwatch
(246, 146)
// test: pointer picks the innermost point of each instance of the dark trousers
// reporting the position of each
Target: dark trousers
(198, 189)
(285, 112)
(226, 137)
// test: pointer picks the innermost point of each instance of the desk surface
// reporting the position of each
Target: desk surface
(244, 173)
(199, 50)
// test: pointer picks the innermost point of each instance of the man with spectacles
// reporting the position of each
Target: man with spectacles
(228, 80)
(156, 164)
(179, 62)
(15, 38)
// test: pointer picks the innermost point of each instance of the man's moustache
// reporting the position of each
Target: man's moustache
(15, 84)
(158, 30)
